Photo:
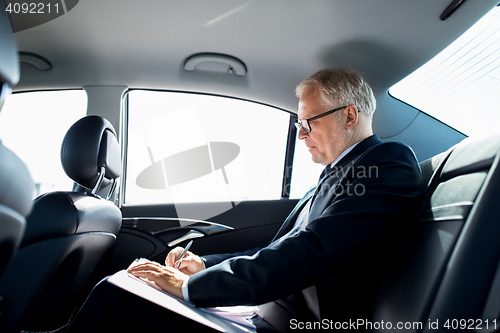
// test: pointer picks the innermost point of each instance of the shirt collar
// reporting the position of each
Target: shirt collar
(345, 152)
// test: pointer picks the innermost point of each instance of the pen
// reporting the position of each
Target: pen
(184, 252)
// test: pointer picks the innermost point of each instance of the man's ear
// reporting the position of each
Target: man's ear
(351, 116)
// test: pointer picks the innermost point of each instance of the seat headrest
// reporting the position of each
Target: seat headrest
(472, 153)
(9, 59)
(90, 144)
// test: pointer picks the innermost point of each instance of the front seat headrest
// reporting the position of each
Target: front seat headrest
(89, 145)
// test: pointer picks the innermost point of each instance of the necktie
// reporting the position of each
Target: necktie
(325, 171)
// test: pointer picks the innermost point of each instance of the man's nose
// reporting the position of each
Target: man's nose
(301, 134)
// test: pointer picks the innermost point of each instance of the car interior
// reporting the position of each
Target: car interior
(129, 95)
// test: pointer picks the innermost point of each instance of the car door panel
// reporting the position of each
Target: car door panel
(147, 229)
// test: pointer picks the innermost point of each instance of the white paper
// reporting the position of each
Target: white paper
(235, 317)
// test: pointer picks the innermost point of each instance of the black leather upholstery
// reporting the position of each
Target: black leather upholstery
(15, 203)
(449, 262)
(66, 236)
(15, 181)
(89, 145)
(66, 213)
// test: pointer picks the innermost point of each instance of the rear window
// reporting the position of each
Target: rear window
(461, 85)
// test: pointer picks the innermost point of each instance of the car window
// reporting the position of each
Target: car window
(305, 172)
(33, 125)
(463, 77)
(185, 147)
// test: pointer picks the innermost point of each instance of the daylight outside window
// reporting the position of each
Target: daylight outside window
(188, 148)
(305, 173)
(33, 125)
(461, 85)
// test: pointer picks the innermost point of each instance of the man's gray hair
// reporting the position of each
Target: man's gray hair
(340, 87)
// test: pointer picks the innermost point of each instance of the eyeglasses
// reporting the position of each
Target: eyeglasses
(304, 124)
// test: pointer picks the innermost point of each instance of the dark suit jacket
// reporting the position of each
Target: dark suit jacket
(358, 216)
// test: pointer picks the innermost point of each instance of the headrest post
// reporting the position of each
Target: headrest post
(99, 180)
(112, 190)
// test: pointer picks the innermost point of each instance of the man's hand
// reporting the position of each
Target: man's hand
(191, 263)
(167, 278)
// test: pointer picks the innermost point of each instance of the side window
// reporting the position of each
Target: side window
(185, 148)
(33, 125)
(305, 172)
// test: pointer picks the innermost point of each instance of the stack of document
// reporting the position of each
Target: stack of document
(223, 319)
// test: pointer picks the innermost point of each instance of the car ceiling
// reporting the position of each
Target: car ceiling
(143, 44)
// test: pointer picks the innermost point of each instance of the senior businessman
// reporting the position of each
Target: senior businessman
(334, 249)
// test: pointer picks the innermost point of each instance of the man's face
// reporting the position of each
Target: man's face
(327, 138)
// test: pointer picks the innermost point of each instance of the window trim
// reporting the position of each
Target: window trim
(289, 155)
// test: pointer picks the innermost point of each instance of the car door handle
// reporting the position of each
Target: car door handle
(191, 234)
(156, 226)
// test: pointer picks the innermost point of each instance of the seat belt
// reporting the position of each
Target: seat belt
(276, 315)
(311, 299)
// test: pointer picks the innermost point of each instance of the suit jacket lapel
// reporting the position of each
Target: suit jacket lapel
(354, 154)
(292, 217)
(337, 174)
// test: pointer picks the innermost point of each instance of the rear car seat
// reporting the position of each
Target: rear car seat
(447, 276)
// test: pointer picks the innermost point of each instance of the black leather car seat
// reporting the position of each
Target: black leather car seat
(448, 269)
(15, 181)
(15, 203)
(66, 235)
